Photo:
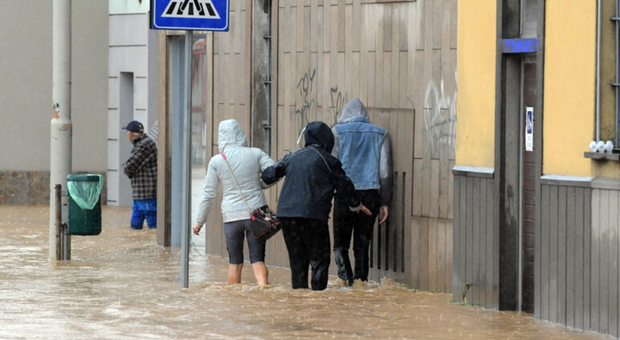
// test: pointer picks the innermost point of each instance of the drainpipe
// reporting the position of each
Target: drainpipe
(61, 127)
(598, 71)
(268, 83)
(617, 83)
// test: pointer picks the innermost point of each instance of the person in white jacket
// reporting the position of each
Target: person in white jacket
(247, 164)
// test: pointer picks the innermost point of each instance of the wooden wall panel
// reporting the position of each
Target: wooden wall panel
(474, 269)
(399, 59)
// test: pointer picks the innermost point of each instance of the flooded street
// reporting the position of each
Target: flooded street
(122, 285)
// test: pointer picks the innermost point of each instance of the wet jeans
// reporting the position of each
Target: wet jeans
(144, 209)
(347, 222)
(307, 242)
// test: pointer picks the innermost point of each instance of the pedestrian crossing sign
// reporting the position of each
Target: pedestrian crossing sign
(197, 15)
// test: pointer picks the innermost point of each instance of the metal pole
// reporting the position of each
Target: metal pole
(617, 83)
(58, 219)
(61, 126)
(186, 184)
(598, 72)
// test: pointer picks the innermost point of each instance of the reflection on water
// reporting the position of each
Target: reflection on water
(121, 285)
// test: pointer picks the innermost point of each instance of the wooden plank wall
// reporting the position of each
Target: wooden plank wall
(604, 287)
(399, 58)
(563, 248)
(476, 242)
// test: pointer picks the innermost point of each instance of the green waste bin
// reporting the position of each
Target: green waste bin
(84, 204)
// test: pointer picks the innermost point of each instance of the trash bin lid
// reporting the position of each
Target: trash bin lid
(84, 178)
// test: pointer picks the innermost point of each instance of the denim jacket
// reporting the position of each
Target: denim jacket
(364, 151)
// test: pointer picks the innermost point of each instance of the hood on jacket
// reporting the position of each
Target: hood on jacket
(230, 133)
(354, 109)
(319, 133)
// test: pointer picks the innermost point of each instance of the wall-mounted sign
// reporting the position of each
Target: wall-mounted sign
(529, 129)
(202, 15)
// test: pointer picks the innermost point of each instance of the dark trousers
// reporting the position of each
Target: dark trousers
(307, 242)
(347, 222)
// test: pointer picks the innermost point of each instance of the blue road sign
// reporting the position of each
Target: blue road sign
(197, 15)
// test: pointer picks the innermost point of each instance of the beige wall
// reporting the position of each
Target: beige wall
(570, 76)
(476, 72)
(26, 88)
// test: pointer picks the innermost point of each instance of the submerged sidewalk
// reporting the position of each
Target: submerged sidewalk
(122, 285)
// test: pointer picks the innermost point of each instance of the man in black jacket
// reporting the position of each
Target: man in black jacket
(312, 175)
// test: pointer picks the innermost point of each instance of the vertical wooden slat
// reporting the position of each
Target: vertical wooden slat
(475, 269)
(469, 266)
(587, 249)
(396, 69)
(449, 254)
(464, 224)
(386, 97)
(553, 253)
(441, 253)
(574, 216)
(595, 258)
(424, 270)
(481, 244)
(456, 239)
(562, 261)
(491, 254)
(604, 263)
(432, 254)
(415, 253)
(434, 188)
(544, 304)
(613, 263)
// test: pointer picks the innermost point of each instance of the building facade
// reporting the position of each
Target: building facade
(132, 87)
(26, 96)
(535, 212)
(284, 63)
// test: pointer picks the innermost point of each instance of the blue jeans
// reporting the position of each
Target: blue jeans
(144, 209)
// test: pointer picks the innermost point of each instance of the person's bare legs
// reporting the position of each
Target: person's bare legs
(260, 272)
(234, 273)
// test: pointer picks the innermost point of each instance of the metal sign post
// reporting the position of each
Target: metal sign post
(188, 15)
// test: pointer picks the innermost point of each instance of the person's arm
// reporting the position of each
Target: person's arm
(265, 161)
(273, 173)
(209, 192)
(137, 159)
(385, 178)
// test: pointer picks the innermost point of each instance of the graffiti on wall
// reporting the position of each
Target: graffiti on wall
(338, 101)
(305, 99)
(439, 126)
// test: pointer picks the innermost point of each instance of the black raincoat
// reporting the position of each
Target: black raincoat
(312, 176)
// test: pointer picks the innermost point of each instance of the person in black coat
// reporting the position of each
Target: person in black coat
(312, 175)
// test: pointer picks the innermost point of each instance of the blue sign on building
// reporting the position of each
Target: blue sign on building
(197, 15)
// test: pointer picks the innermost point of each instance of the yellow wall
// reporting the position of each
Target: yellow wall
(475, 126)
(570, 71)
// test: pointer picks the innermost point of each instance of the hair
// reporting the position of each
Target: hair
(137, 134)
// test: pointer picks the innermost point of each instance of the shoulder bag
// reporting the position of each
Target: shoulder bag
(264, 222)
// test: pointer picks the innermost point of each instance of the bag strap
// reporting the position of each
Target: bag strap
(238, 187)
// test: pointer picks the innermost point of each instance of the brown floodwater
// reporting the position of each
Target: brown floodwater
(122, 285)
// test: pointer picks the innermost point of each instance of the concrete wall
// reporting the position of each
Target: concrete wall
(26, 94)
(132, 79)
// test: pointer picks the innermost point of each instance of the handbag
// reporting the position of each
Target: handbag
(264, 222)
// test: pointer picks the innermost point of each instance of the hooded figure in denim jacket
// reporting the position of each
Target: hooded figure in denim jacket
(366, 157)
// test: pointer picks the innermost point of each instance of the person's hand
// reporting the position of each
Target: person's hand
(365, 211)
(197, 228)
(383, 215)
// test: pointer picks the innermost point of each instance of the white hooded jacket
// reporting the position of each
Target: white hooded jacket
(247, 164)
